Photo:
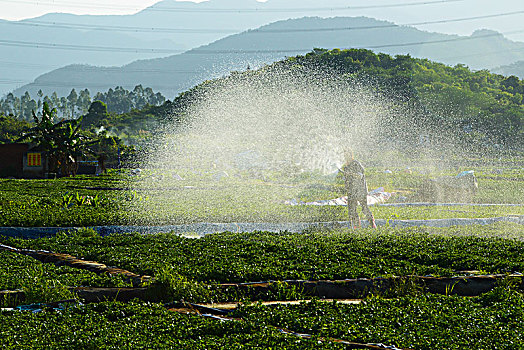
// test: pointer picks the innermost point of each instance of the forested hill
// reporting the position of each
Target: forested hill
(479, 110)
(174, 74)
(516, 69)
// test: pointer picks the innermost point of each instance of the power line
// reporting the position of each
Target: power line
(70, 84)
(41, 45)
(162, 71)
(74, 5)
(294, 51)
(64, 25)
(393, 25)
(18, 43)
(204, 51)
(443, 40)
(94, 68)
(80, 26)
(232, 10)
(304, 9)
(11, 81)
(18, 64)
(484, 53)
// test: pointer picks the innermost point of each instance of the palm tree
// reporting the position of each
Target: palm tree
(63, 141)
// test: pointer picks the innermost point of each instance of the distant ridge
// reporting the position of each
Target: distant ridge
(176, 73)
(516, 69)
(32, 47)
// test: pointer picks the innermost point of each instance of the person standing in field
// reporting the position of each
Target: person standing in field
(357, 190)
(101, 168)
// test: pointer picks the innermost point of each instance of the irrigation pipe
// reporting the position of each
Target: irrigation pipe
(200, 229)
(348, 290)
(224, 308)
(217, 314)
(431, 204)
(69, 260)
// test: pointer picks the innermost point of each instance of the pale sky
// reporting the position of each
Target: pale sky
(21, 9)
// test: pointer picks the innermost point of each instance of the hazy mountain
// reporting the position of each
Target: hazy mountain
(516, 69)
(170, 27)
(25, 55)
(173, 74)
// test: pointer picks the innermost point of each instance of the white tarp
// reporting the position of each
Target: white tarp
(376, 196)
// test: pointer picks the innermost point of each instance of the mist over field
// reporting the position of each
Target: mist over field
(280, 174)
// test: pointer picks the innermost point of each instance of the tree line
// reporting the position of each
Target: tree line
(67, 141)
(118, 100)
(454, 105)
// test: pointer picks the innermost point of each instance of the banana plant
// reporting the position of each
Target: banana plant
(63, 141)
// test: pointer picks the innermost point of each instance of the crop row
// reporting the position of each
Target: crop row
(136, 326)
(43, 282)
(259, 256)
(119, 200)
(492, 321)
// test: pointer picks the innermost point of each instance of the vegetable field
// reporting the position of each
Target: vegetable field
(414, 288)
(159, 199)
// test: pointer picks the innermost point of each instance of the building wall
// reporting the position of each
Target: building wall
(12, 159)
(34, 164)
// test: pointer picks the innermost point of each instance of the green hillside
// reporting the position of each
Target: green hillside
(476, 110)
(454, 105)
(273, 42)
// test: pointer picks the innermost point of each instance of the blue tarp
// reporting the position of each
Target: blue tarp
(201, 229)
